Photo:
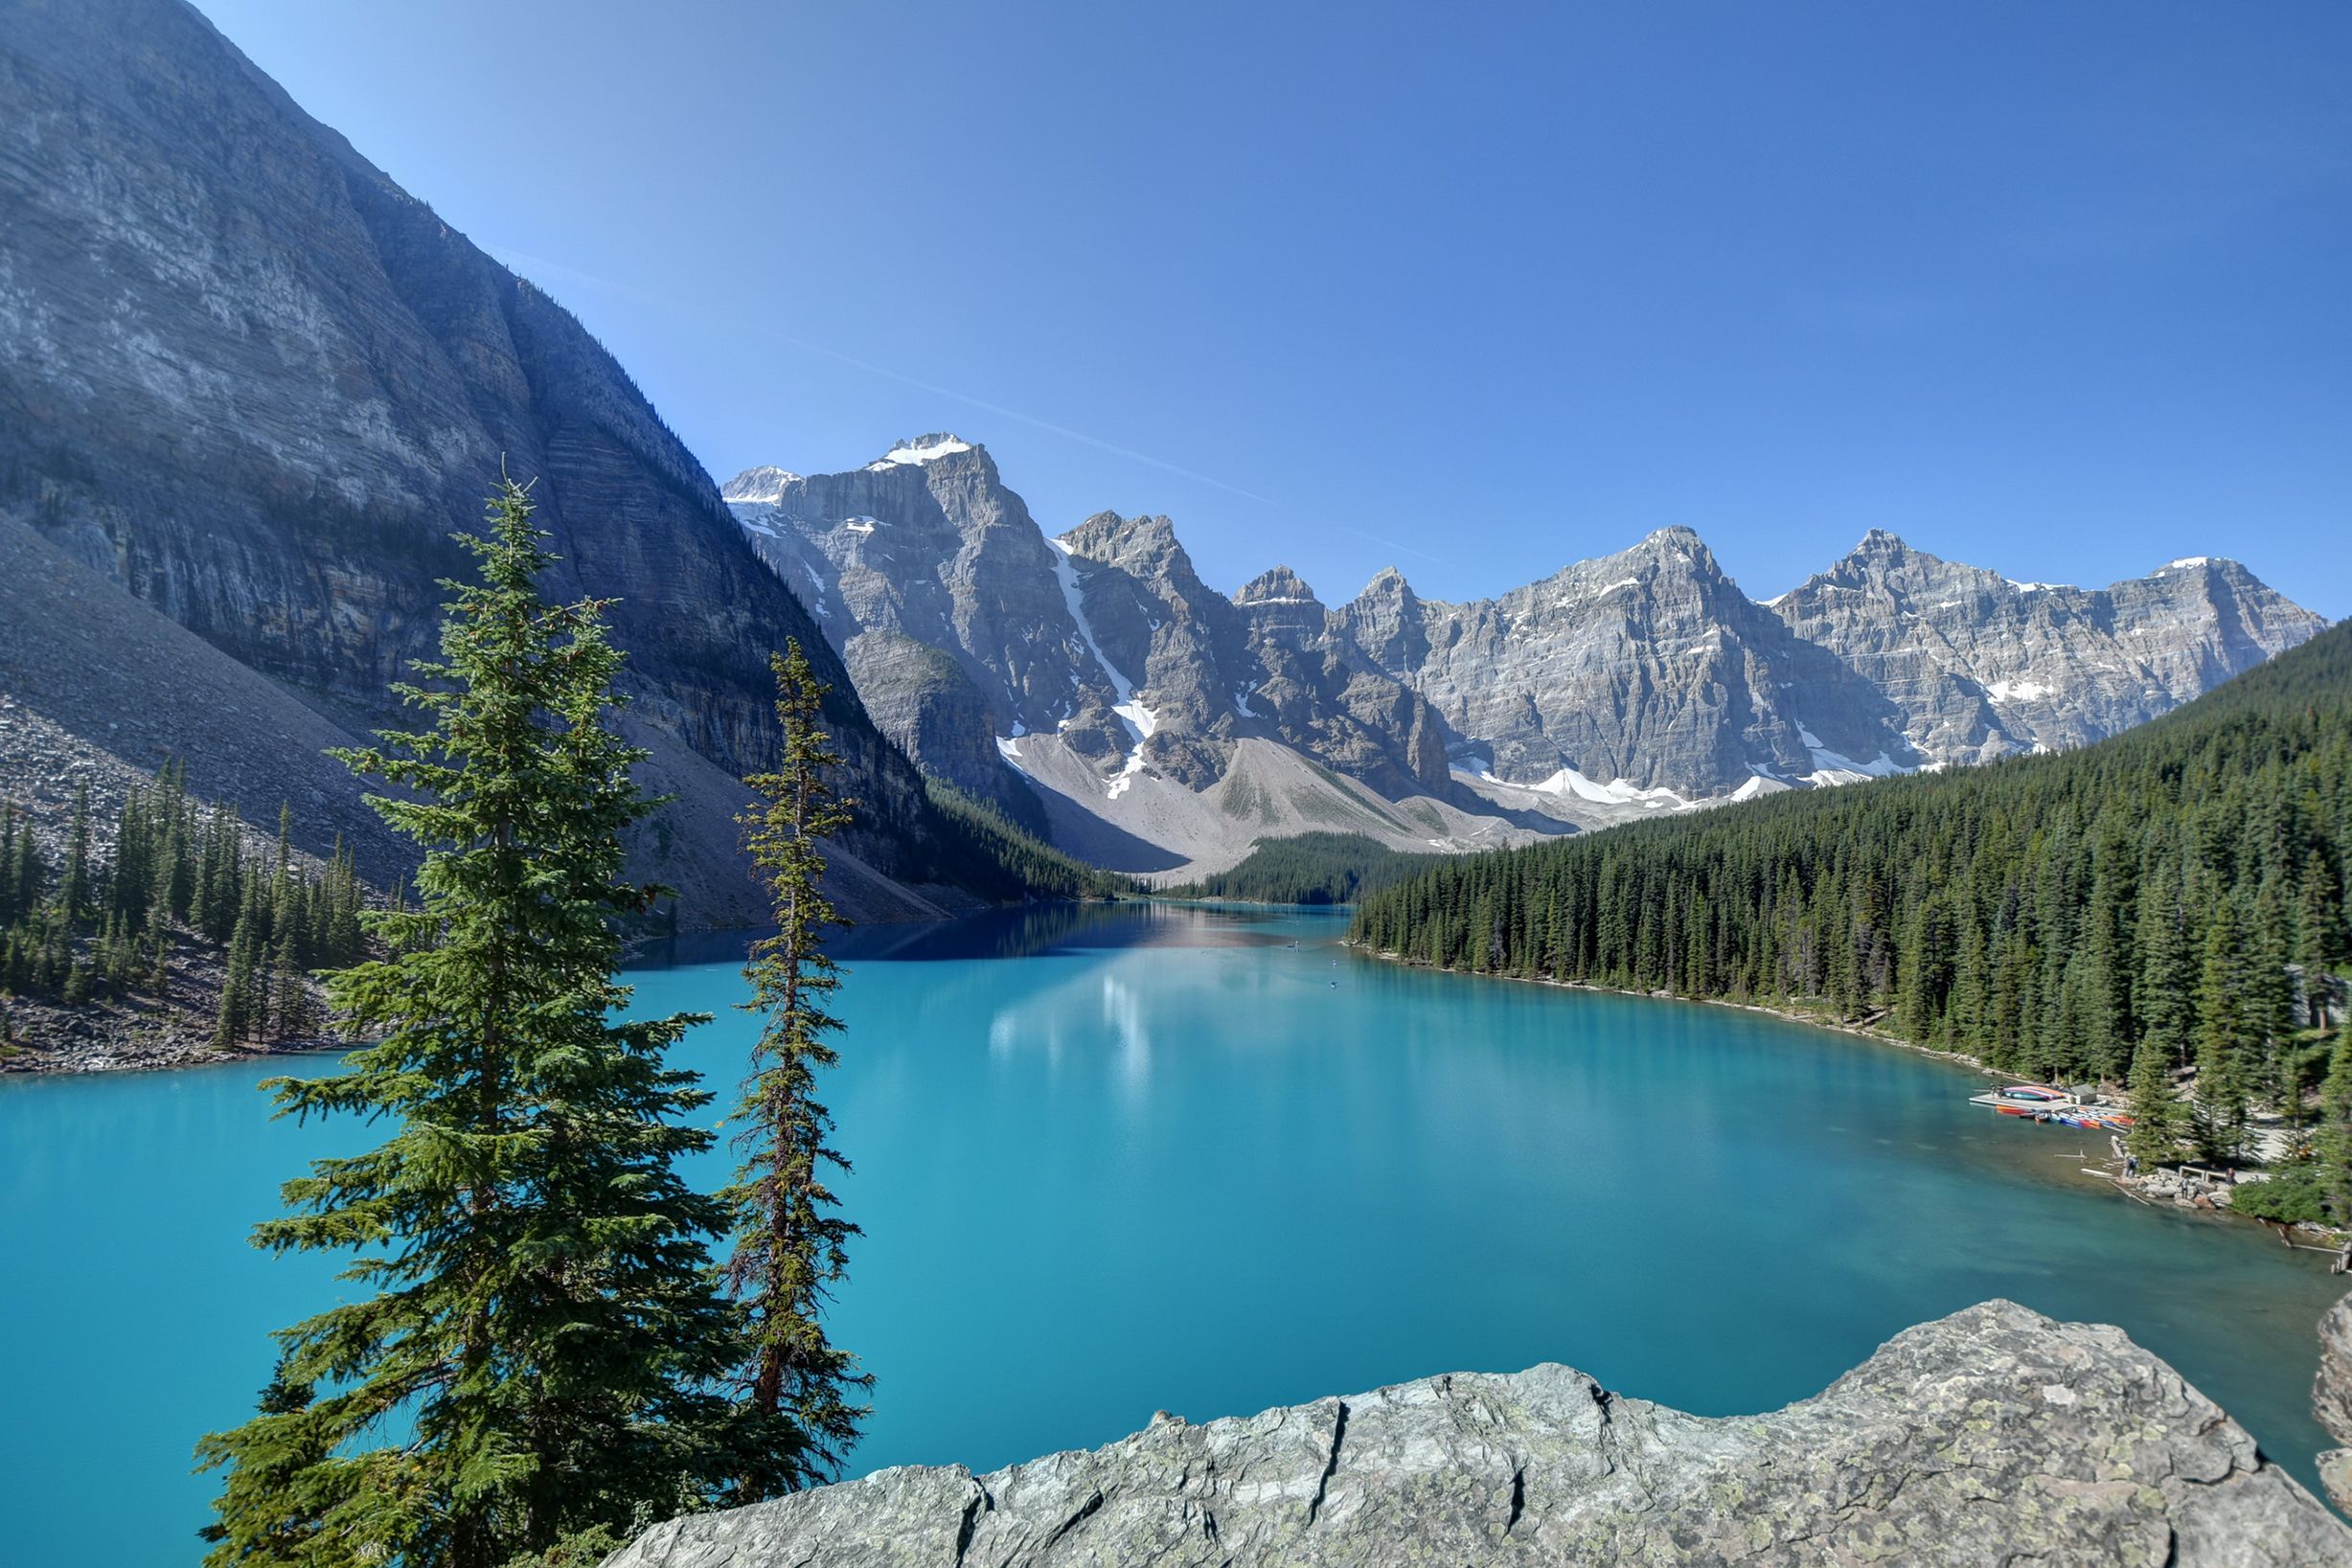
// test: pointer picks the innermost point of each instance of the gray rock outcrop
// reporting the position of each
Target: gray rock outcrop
(2331, 1400)
(1995, 1436)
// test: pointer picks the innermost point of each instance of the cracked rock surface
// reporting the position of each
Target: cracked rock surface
(2331, 1400)
(1992, 1436)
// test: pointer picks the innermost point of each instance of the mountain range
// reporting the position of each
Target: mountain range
(1092, 685)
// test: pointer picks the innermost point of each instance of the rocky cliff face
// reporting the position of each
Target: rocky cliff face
(255, 384)
(1325, 697)
(946, 603)
(1995, 1436)
(1180, 640)
(967, 631)
(1978, 666)
(1645, 670)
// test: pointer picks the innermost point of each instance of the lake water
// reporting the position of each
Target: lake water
(1112, 1161)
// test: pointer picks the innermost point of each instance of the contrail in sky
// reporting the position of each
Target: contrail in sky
(540, 266)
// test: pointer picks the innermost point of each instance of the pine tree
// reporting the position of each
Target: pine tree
(544, 1315)
(2222, 1042)
(74, 887)
(2332, 1142)
(2155, 1138)
(289, 1006)
(157, 945)
(237, 1014)
(30, 874)
(790, 1248)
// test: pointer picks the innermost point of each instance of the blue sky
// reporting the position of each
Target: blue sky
(1472, 290)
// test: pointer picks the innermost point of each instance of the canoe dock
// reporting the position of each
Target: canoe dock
(2039, 1103)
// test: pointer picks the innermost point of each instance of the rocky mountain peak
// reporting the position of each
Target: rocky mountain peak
(1879, 545)
(2209, 571)
(763, 483)
(1144, 544)
(1982, 665)
(1676, 556)
(1279, 587)
(921, 451)
(1645, 676)
(1675, 553)
(1385, 620)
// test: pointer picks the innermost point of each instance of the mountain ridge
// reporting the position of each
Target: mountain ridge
(1640, 681)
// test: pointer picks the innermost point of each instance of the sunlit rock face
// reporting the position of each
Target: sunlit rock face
(946, 602)
(1978, 666)
(1646, 670)
(1103, 639)
(1992, 1436)
(2331, 1400)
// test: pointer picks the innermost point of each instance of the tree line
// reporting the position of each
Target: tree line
(110, 917)
(1009, 863)
(2167, 902)
(1318, 868)
(538, 1349)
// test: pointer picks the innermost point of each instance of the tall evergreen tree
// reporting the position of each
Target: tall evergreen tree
(74, 887)
(537, 1350)
(2156, 1113)
(790, 1244)
(2223, 1047)
(2331, 1142)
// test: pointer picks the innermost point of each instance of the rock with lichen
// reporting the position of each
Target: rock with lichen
(1992, 1436)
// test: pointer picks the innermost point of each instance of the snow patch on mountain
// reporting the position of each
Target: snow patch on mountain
(1833, 768)
(764, 483)
(1066, 573)
(1567, 782)
(929, 449)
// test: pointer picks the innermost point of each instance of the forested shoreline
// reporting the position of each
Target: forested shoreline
(175, 884)
(2160, 904)
(1309, 868)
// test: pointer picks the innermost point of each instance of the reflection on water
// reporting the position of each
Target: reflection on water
(1033, 931)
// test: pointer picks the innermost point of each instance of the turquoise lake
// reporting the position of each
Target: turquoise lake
(1112, 1161)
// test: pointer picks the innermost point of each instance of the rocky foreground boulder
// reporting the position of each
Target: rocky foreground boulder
(1994, 1436)
(2331, 1400)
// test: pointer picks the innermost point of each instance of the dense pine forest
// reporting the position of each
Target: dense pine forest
(1013, 865)
(2166, 900)
(173, 882)
(1309, 869)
